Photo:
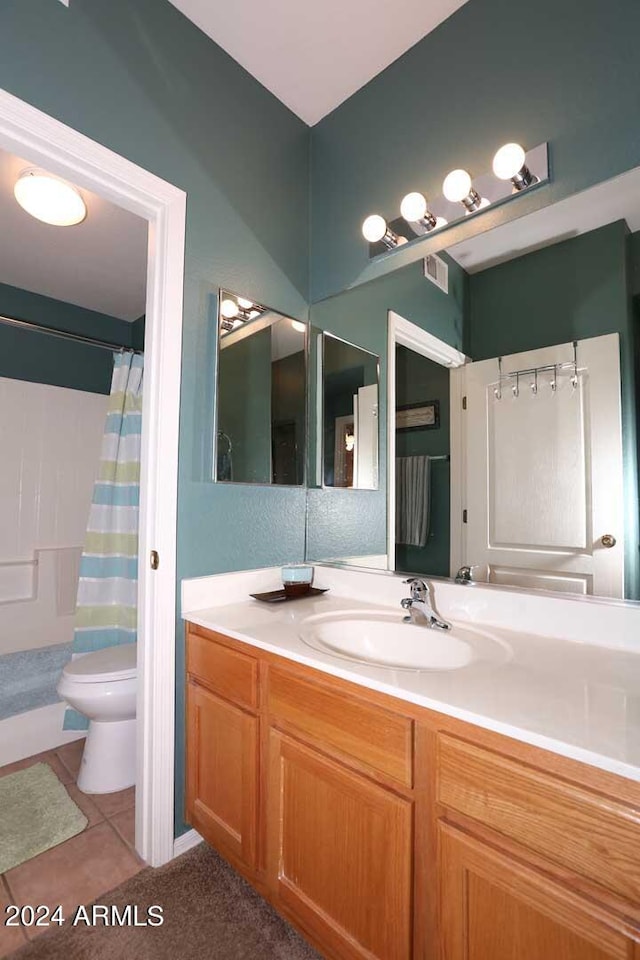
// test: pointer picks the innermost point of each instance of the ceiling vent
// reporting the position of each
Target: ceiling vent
(436, 270)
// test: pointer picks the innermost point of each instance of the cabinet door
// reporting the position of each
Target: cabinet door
(495, 908)
(222, 774)
(340, 853)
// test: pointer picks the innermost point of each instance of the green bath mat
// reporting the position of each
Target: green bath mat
(36, 813)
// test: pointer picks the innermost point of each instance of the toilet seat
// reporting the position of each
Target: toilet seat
(101, 666)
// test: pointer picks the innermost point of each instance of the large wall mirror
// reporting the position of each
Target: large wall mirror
(534, 481)
(260, 434)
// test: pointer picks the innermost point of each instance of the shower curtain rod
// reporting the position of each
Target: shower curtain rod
(103, 344)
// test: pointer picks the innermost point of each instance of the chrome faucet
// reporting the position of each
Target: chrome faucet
(419, 606)
(464, 575)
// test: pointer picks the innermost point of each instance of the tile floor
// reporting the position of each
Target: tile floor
(80, 869)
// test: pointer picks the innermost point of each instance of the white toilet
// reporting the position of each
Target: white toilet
(103, 685)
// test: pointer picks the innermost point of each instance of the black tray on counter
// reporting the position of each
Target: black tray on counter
(275, 596)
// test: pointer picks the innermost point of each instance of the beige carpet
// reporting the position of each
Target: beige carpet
(209, 912)
(36, 813)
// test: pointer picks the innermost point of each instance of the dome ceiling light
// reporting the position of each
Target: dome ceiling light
(49, 199)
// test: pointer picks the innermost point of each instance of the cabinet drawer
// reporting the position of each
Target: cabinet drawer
(369, 734)
(593, 835)
(231, 674)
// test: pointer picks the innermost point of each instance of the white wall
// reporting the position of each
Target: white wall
(50, 439)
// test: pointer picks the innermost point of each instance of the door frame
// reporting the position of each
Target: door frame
(32, 134)
(401, 332)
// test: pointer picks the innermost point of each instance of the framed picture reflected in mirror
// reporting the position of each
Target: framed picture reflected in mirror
(418, 416)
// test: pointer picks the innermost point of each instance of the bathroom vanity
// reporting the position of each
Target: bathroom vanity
(385, 828)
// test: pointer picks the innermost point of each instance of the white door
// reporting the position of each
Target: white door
(543, 485)
(365, 466)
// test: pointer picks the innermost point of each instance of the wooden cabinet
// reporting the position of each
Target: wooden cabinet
(222, 774)
(559, 820)
(495, 907)
(223, 747)
(340, 853)
(386, 831)
(377, 740)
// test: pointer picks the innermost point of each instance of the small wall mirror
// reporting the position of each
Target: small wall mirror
(350, 424)
(260, 434)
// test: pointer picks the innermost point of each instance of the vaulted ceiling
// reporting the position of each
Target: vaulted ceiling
(314, 55)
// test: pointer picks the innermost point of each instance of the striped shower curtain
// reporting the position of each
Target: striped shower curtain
(106, 612)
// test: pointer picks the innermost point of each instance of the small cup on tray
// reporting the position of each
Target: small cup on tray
(296, 579)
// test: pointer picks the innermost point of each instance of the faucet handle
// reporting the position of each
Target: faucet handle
(418, 588)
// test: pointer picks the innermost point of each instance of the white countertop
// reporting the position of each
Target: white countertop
(578, 699)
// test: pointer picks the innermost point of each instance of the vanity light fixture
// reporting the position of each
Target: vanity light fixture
(514, 171)
(508, 164)
(50, 199)
(229, 309)
(298, 326)
(414, 209)
(457, 188)
(239, 310)
(375, 230)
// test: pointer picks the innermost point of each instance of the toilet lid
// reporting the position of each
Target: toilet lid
(110, 663)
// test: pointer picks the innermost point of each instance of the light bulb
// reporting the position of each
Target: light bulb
(508, 161)
(298, 326)
(374, 228)
(229, 309)
(244, 303)
(413, 207)
(457, 186)
(49, 199)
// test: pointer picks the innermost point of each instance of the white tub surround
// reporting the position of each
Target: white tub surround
(34, 732)
(572, 684)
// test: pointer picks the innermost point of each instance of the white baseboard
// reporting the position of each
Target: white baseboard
(34, 732)
(185, 842)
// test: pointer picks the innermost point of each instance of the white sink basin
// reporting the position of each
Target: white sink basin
(383, 639)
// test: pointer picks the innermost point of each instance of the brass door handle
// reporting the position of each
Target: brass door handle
(608, 540)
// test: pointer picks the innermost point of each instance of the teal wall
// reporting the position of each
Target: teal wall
(633, 250)
(419, 380)
(138, 77)
(567, 73)
(28, 355)
(572, 290)
(137, 333)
